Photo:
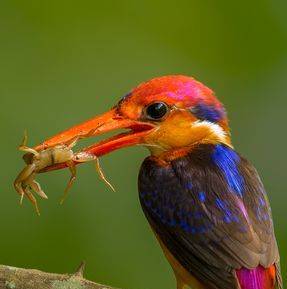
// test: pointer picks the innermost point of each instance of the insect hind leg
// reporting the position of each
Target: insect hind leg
(73, 171)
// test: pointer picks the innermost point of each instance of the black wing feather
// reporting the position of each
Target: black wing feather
(208, 228)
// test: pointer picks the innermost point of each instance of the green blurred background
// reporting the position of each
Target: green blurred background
(62, 62)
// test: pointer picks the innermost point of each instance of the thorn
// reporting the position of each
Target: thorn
(102, 175)
(80, 270)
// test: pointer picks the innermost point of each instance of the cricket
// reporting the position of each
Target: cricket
(37, 161)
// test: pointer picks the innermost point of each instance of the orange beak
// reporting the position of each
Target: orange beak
(98, 125)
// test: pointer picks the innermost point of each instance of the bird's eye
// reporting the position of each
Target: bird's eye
(156, 110)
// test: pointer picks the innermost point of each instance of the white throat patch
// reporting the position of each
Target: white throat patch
(216, 129)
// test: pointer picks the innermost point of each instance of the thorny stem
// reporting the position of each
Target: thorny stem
(19, 278)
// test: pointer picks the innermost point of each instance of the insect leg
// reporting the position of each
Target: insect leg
(73, 171)
(32, 199)
(35, 186)
(21, 178)
(101, 174)
(23, 146)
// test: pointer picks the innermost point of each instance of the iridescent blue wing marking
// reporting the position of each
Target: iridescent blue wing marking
(210, 210)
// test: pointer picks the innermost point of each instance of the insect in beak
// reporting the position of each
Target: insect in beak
(107, 122)
(56, 152)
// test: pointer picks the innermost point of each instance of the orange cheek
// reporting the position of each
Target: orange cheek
(179, 130)
(175, 131)
(177, 136)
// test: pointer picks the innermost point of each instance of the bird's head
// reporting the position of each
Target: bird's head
(167, 114)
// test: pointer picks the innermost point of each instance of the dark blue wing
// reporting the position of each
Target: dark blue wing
(210, 210)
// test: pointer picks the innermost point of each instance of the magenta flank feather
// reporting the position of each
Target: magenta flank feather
(257, 278)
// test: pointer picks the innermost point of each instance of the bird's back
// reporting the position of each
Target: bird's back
(210, 211)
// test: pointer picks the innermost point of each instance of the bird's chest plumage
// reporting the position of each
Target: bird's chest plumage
(210, 211)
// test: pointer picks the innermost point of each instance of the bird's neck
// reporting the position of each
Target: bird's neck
(172, 154)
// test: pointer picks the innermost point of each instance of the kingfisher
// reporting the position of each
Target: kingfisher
(204, 201)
